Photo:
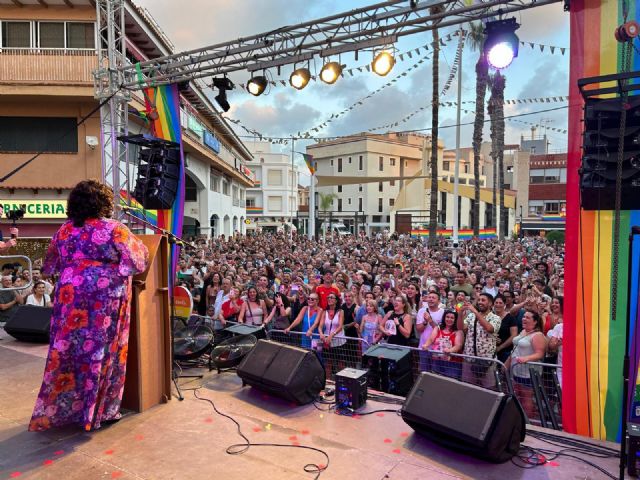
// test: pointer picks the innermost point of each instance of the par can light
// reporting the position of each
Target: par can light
(257, 85)
(501, 44)
(300, 78)
(383, 63)
(330, 72)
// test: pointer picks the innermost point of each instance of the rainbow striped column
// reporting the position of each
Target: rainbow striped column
(593, 341)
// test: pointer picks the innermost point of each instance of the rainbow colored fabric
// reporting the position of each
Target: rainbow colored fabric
(308, 159)
(137, 210)
(485, 233)
(593, 341)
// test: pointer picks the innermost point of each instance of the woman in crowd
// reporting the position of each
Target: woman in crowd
(528, 346)
(38, 298)
(331, 329)
(552, 315)
(308, 318)
(279, 317)
(254, 309)
(397, 324)
(351, 329)
(370, 324)
(446, 338)
(232, 307)
(508, 328)
(86, 364)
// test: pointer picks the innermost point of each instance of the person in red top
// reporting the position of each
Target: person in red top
(326, 288)
(231, 308)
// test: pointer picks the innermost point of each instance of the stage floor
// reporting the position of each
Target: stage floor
(187, 440)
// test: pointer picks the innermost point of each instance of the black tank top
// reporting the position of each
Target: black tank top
(398, 338)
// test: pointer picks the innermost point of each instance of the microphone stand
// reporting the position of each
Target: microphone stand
(172, 240)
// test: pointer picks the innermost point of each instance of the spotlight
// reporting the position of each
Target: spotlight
(501, 44)
(299, 78)
(383, 63)
(223, 84)
(257, 85)
(330, 72)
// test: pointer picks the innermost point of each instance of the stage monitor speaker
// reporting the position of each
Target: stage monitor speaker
(30, 324)
(600, 141)
(483, 423)
(292, 373)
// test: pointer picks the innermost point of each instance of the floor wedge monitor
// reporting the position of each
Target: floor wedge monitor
(292, 373)
(30, 324)
(483, 423)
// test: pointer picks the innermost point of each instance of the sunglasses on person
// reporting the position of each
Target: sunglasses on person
(313, 299)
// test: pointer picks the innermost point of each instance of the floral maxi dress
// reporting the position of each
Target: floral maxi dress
(85, 370)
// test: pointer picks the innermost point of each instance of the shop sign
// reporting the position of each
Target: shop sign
(211, 141)
(37, 208)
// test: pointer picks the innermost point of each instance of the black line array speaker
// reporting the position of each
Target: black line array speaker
(389, 369)
(292, 373)
(158, 177)
(30, 324)
(600, 141)
(483, 423)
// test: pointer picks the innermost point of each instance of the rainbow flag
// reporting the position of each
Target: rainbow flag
(466, 234)
(165, 100)
(593, 347)
(137, 210)
(308, 159)
(255, 210)
(553, 217)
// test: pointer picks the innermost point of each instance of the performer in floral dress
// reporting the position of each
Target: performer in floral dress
(96, 257)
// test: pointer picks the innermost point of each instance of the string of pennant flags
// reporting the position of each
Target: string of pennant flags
(531, 124)
(551, 48)
(447, 85)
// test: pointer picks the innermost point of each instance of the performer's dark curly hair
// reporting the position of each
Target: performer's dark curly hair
(89, 199)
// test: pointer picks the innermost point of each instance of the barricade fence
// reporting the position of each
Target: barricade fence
(394, 368)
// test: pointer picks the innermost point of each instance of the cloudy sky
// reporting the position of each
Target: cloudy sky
(285, 111)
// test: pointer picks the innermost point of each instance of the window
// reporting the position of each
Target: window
(393, 183)
(339, 165)
(466, 168)
(339, 204)
(38, 134)
(552, 175)
(379, 186)
(360, 163)
(482, 171)
(563, 175)
(392, 162)
(536, 207)
(190, 189)
(332, 162)
(339, 188)
(16, 34)
(360, 187)
(225, 187)
(536, 175)
(360, 204)
(274, 204)
(349, 160)
(348, 201)
(379, 204)
(463, 181)
(251, 202)
(51, 34)
(552, 207)
(392, 202)
(381, 164)
(445, 166)
(214, 181)
(274, 178)
(80, 35)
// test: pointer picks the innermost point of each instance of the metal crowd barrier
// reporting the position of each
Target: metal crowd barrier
(538, 387)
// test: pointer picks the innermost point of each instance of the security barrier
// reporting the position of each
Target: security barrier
(538, 388)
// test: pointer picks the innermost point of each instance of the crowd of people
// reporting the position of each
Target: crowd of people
(490, 298)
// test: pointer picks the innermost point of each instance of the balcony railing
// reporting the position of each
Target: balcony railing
(48, 66)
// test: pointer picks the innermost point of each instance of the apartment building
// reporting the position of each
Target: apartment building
(547, 194)
(273, 200)
(48, 52)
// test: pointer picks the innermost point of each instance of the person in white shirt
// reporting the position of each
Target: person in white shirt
(490, 286)
(555, 345)
(428, 317)
(38, 298)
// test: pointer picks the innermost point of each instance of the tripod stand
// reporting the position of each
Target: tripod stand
(172, 240)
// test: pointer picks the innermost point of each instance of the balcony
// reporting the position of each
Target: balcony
(31, 66)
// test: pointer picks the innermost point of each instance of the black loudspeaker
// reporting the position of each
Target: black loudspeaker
(600, 143)
(158, 178)
(292, 373)
(483, 423)
(389, 369)
(30, 324)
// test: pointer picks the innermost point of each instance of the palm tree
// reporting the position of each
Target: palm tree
(435, 102)
(496, 113)
(482, 72)
(326, 203)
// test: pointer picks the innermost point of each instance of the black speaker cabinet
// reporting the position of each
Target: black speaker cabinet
(483, 423)
(30, 324)
(389, 369)
(292, 373)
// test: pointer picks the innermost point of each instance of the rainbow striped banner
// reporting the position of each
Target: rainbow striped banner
(137, 210)
(165, 100)
(554, 217)
(255, 210)
(467, 234)
(593, 342)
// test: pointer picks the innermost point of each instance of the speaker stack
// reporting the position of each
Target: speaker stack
(158, 177)
(291, 373)
(483, 423)
(389, 369)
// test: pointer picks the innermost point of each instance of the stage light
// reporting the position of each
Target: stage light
(330, 72)
(501, 44)
(223, 84)
(257, 85)
(300, 78)
(383, 63)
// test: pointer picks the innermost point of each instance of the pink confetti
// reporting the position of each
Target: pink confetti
(15, 474)
(380, 414)
(59, 452)
(397, 450)
(47, 462)
(139, 437)
(554, 464)
(404, 434)
(208, 420)
(297, 444)
(305, 432)
(322, 466)
(257, 429)
(293, 438)
(116, 474)
(356, 417)
(108, 452)
(387, 440)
